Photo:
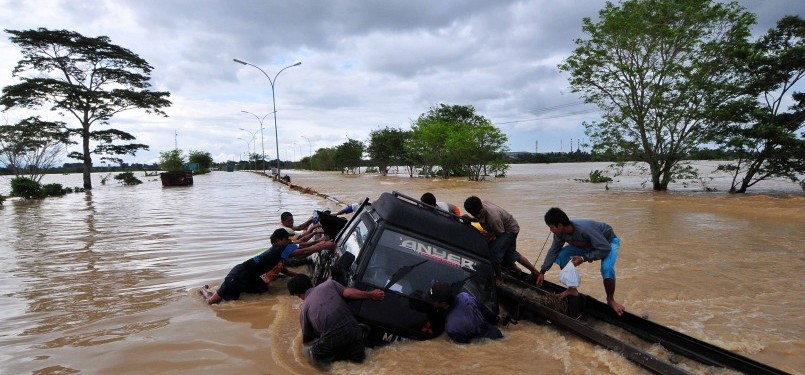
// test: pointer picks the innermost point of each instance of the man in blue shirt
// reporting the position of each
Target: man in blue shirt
(466, 319)
(587, 240)
(245, 277)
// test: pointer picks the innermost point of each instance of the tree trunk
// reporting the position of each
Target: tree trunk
(745, 181)
(656, 185)
(87, 159)
(752, 170)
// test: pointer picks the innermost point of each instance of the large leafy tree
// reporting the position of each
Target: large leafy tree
(658, 70)
(485, 150)
(764, 136)
(349, 155)
(386, 148)
(459, 141)
(324, 159)
(87, 78)
(32, 146)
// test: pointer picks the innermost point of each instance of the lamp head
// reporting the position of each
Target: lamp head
(241, 62)
(297, 63)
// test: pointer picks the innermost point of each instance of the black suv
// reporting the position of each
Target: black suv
(401, 245)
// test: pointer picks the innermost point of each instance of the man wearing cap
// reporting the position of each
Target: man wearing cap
(329, 330)
(466, 319)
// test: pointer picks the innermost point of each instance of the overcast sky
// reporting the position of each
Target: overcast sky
(365, 65)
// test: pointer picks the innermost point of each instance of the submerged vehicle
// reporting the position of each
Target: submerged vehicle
(399, 244)
(402, 246)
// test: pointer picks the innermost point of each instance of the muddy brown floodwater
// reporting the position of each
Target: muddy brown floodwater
(107, 281)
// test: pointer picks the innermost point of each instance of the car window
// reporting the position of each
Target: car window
(408, 265)
(356, 237)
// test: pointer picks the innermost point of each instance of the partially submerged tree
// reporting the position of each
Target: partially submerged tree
(385, 148)
(349, 155)
(764, 136)
(485, 150)
(171, 161)
(324, 159)
(203, 159)
(658, 70)
(88, 78)
(32, 146)
(459, 141)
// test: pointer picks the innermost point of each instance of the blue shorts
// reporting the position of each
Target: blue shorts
(607, 264)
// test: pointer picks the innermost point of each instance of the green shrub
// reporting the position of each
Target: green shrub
(127, 178)
(597, 176)
(25, 188)
(171, 161)
(2, 198)
(53, 190)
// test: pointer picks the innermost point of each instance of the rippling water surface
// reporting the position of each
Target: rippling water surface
(107, 281)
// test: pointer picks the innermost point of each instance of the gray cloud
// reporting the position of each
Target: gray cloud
(365, 64)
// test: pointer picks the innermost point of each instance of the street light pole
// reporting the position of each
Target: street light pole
(309, 151)
(247, 151)
(262, 144)
(254, 139)
(273, 100)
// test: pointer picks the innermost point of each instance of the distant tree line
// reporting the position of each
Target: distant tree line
(326, 159)
(446, 141)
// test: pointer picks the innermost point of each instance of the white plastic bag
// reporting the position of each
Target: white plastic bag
(570, 276)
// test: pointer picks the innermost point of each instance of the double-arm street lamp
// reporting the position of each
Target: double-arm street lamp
(273, 100)
(262, 144)
(247, 151)
(309, 151)
(254, 140)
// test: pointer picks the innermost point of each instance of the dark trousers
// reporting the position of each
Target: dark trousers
(345, 343)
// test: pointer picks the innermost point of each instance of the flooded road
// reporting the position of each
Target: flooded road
(107, 281)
